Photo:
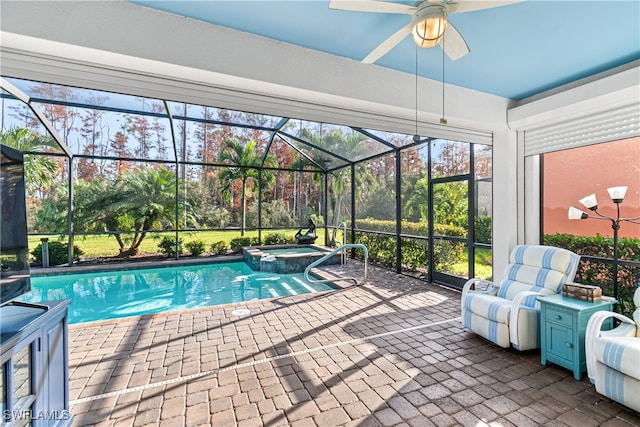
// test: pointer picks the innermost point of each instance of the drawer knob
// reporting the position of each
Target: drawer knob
(569, 345)
(558, 317)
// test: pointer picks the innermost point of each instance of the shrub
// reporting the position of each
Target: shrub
(382, 251)
(219, 248)
(483, 229)
(216, 217)
(239, 242)
(382, 248)
(168, 246)
(274, 213)
(58, 253)
(195, 247)
(600, 272)
(278, 239)
(411, 228)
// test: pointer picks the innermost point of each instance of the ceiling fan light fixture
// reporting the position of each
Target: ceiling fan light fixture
(430, 23)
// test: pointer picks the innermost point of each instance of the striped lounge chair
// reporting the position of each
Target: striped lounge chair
(613, 357)
(507, 313)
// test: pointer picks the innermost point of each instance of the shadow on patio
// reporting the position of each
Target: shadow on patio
(391, 352)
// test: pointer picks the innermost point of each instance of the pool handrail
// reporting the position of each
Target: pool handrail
(329, 255)
(344, 236)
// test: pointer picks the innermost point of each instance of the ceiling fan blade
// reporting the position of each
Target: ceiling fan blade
(453, 44)
(461, 6)
(388, 44)
(372, 6)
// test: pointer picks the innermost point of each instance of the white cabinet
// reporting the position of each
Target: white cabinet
(34, 385)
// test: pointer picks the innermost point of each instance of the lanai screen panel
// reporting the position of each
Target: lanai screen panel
(99, 124)
(414, 164)
(312, 139)
(339, 188)
(105, 133)
(291, 154)
(223, 115)
(396, 139)
(47, 195)
(376, 194)
(351, 144)
(204, 141)
(449, 158)
(88, 97)
(291, 198)
(483, 168)
(206, 201)
(21, 129)
(199, 141)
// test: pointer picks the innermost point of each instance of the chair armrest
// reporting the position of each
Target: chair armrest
(516, 306)
(592, 332)
(470, 286)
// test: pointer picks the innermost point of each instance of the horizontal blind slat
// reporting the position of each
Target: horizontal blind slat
(616, 124)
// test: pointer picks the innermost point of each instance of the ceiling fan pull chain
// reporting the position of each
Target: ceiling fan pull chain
(416, 136)
(443, 120)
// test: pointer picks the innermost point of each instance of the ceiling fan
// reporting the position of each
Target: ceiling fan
(429, 23)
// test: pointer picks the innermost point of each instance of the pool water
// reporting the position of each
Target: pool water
(292, 251)
(124, 293)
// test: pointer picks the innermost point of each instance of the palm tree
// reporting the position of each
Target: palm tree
(418, 201)
(246, 163)
(39, 171)
(139, 201)
(351, 147)
(148, 200)
(449, 202)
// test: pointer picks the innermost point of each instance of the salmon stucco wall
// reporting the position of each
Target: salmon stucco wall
(573, 174)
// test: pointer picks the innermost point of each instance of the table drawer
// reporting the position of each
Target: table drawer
(561, 317)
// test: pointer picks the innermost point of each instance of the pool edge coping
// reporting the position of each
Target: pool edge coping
(340, 285)
(128, 265)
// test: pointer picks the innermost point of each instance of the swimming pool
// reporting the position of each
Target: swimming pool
(291, 250)
(286, 259)
(123, 293)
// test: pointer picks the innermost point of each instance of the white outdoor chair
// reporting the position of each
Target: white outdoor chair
(507, 313)
(613, 357)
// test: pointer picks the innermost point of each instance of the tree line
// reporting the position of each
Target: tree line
(217, 180)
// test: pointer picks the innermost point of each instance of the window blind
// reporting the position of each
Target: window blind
(615, 124)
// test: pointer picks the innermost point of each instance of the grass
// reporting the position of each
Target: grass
(104, 245)
(483, 265)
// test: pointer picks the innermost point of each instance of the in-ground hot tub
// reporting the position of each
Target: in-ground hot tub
(285, 259)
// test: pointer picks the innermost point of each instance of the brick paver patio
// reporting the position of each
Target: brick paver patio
(388, 353)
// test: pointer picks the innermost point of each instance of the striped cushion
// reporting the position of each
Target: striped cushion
(545, 257)
(489, 307)
(496, 332)
(540, 269)
(613, 356)
(617, 386)
(619, 353)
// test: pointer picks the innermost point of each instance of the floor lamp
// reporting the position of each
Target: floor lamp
(617, 195)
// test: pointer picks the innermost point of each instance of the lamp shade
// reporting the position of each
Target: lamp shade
(617, 193)
(429, 26)
(575, 213)
(590, 202)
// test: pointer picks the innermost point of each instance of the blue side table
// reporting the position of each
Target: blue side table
(563, 322)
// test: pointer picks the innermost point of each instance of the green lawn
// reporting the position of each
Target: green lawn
(103, 245)
(483, 268)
